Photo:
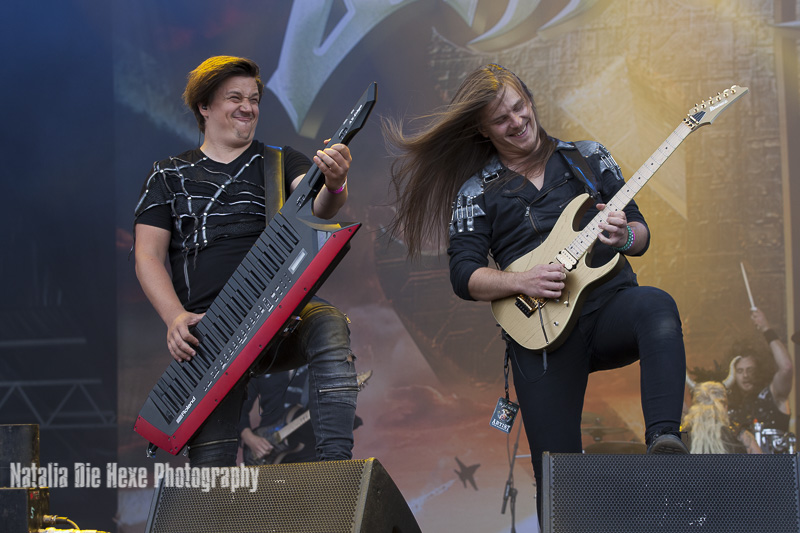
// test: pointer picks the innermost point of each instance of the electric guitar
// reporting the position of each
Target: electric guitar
(541, 323)
(281, 446)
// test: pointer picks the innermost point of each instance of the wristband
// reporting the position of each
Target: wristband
(629, 243)
(339, 190)
(770, 335)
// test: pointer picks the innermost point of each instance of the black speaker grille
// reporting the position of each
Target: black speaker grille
(290, 498)
(703, 493)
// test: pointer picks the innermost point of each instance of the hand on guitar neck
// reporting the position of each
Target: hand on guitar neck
(615, 232)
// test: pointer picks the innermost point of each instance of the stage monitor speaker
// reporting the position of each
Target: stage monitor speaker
(325, 497)
(23, 510)
(19, 443)
(670, 493)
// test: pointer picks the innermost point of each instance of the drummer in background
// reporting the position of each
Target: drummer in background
(758, 390)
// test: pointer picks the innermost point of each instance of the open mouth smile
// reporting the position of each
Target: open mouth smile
(523, 132)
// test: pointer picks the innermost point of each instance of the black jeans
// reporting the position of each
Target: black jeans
(322, 340)
(636, 324)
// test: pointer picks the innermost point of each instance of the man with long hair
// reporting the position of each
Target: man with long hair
(485, 167)
(202, 211)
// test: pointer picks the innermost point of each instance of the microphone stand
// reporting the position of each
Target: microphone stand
(510, 493)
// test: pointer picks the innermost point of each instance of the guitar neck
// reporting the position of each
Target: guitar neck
(292, 426)
(586, 238)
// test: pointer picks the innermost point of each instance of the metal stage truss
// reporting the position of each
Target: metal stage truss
(58, 403)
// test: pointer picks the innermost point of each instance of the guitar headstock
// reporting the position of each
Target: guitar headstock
(707, 111)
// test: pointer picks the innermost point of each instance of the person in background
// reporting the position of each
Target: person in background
(282, 400)
(282, 397)
(708, 426)
(759, 388)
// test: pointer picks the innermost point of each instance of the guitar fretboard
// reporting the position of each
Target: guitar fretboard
(289, 428)
(586, 238)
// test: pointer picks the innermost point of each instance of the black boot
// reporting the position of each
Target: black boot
(667, 443)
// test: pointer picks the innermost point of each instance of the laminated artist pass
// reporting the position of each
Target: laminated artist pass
(504, 415)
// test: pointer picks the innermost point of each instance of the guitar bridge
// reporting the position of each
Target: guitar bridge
(528, 305)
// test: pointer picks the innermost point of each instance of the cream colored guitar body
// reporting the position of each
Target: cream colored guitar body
(541, 323)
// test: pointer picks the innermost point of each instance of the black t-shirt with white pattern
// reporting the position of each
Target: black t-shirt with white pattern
(215, 213)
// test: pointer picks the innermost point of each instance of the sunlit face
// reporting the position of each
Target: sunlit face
(745, 373)
(232, 114)
(510, 125)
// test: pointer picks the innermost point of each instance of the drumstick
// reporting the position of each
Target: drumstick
(747, 286)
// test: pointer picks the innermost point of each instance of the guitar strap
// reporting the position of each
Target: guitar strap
(580, 169)
(274, 181)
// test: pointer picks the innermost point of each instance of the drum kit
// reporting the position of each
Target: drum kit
(774, 440)
(771, 441)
